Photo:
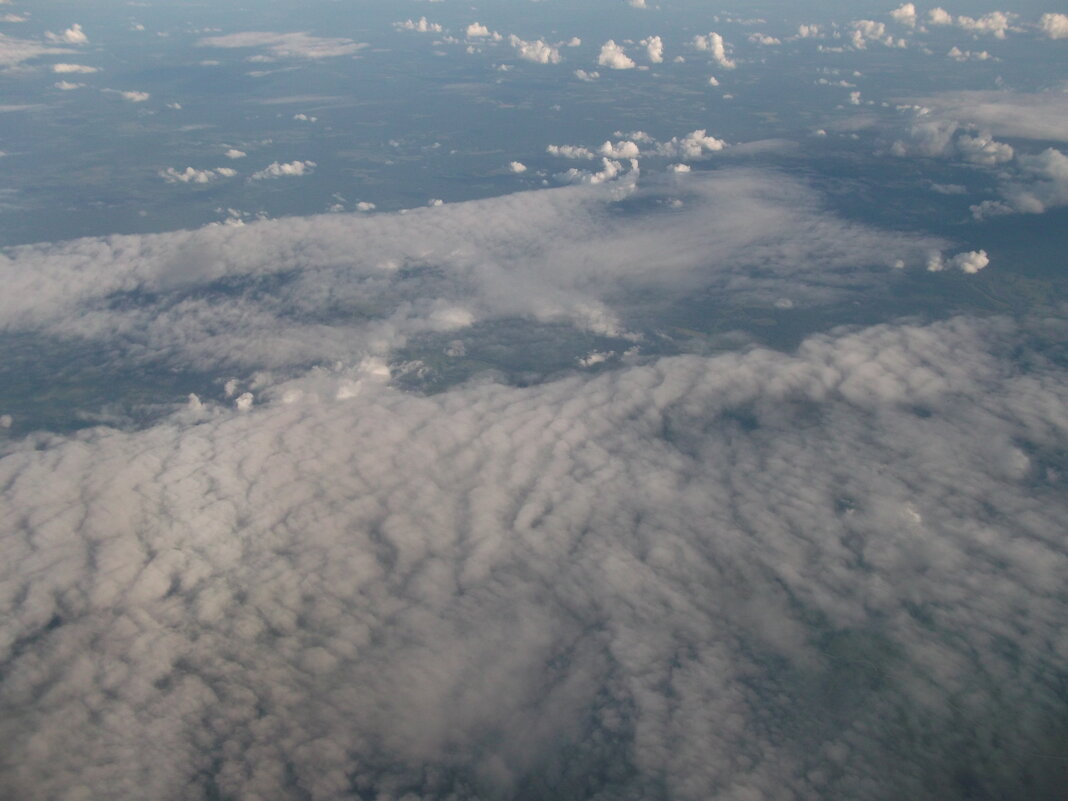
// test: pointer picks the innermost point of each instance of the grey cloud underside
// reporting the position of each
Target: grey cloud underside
(296, 291)
(834, 574)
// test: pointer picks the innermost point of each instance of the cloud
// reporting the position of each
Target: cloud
(134, 96)
(537, 51)
(939, 16)
(286, 45)
(517, 167)
(654, 49)
(714, 44)
(14, 51)
(995, 23)
(752, 575)
(67, 86)
(970, 262)
(277, 170)
(905, 14)
(234, 153)
(194, 176)
(420, 25)
(1055, 26)
(764, 39)
(582, 75)
(1040, 183)
(957, 54)
(73, 35)
(1040, 116)
(73, 68)
(692, 146)
(569, 151)
(614, 57)
(477, 30)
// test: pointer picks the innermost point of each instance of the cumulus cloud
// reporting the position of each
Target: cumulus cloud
(764, 39)
(517, 167)
(957, 54)
(1055, 26)
(583, 75)
(421, 25)
(654, 49)
(134, 96)
(67, 86)
(280, 170)
(1041, 116)
(1040, 183)
(477, 30)
(939, 16)
(905, 14)
(14, 51)
(692, 146)
(995, 23)
(614, 57)
(537, 51)
(970, 262)
(752, 575)
(234, 153)
(73, 35)
(716, 47)
(286, 45)
(569, 151)
(191, 175)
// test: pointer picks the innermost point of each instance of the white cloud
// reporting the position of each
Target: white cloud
(477, 30)
(73, 35)
(191, 175)
(764, 39)
(995, 23)
(278, 170)
(364, 205)
(905, 14)
(582, 75)
(714, 44)
(622, 149)
(517, 167)
(67, 86)
(286, 45)
(692, 146)
(614, 57)
(421, 25)
(654, 49)
(569, 151)
(970, 262)
(305, 118)
(135, 96)
(73, 68)
(637, 3)
(537, 51)
(809, 32)
(1040, 184)
(957, 54)
(939, 16)
(234, 153)
(1038, 115)
(14, 51)
(752, 575)
(1055, 26)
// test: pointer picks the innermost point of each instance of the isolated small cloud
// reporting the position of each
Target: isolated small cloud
(537, 51)
(637, 4)
(654, 49)
(191, 175)
(970, 262)
(692, 146)
(1055, 26)
(234, 153)
(66, 86)
(583, 75)
(716, 47)
(135, 96)
(73, 35)
(279, 170)
(614, 57)
(957, 54)
(476, 30)
(517, 167)
(905, 14)
(995, 23)
(764, 39)
(421, 25)
(569, 151)
(73, 68)
(939, 16)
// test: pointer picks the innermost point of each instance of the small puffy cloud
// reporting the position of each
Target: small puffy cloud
(476, 30)
(191, 175)
(983, 149)
(713, 80)
(679, 168)
(569, 152)
(957, 54)
(610, 170)
(714, 45)
(939, 16)
(654, 49)
(73, 35)
(1041, 184)
(286, 45)
(692, 146)
(73, 68)
(279, 170)
(421, 25)
(135, 96)
(905, 14)
(809, 32)
(764, 39)
(537, 51)
(66, 86)
(583, 75)
(620, 150)
(866, 30)
(365, 205)
(995, 23)
(637, 4)
(305, 118)
(517, 166)
(613, 57)
(1055, 26)
(943, 138)
(970, 262)
(234, 153)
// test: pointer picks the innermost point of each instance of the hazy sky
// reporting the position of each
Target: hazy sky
(419, 400)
